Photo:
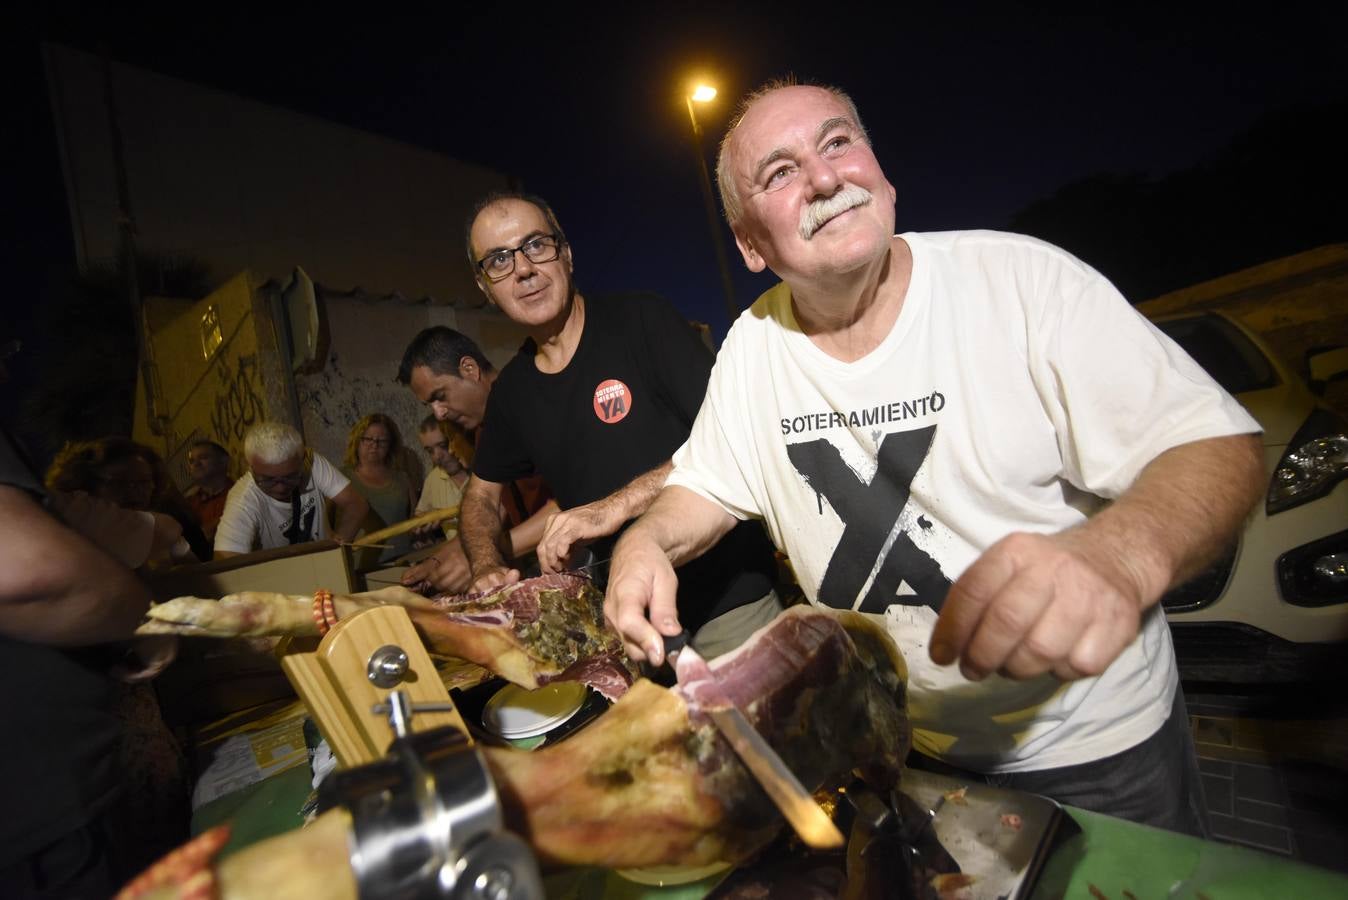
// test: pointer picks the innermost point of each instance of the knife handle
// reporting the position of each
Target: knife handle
(674, 644)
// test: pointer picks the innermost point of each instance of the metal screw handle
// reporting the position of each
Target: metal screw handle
(400, 709)
(387, 666)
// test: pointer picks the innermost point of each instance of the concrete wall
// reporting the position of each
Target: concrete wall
(241, 185)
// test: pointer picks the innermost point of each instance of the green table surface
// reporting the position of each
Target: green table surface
(1116, 859)
(1109, 858)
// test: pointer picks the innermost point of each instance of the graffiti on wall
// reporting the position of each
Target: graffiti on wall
(238, 399)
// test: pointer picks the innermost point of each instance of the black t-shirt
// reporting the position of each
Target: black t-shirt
(623, 404)
(58, 762)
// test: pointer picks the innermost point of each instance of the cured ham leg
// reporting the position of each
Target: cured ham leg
(539, 630)
(651, 782)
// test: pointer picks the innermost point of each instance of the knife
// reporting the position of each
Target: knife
(808, 818)
(591, 566)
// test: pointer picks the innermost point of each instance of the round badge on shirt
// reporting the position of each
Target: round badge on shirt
(612, 401)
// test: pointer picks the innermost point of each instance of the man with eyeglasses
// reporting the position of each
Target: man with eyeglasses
(596, 401)
(280, 500)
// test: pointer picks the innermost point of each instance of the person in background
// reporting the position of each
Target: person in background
(447, 370)
(102, 490)
(60, 596)
(371, 448)
(129, 475)
(208, 467)
(280, 500)
(445, 481)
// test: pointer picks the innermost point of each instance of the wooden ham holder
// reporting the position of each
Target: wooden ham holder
(335, 682)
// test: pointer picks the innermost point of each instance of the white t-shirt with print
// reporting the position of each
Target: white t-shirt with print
(254, 521)
(1017, 391)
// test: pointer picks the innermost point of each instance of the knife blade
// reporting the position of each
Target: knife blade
(781, 785)
(589, 566)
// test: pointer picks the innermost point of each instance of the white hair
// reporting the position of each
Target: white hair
(725, 178)
(272, 443)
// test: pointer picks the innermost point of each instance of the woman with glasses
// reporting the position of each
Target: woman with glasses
(371, 449)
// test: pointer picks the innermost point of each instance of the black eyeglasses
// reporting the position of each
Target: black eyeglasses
(537, 249)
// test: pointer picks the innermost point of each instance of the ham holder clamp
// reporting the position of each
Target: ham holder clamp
(426, 819)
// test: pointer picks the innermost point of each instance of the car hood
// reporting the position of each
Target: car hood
(1280, 410)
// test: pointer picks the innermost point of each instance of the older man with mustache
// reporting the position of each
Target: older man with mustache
(972, 436)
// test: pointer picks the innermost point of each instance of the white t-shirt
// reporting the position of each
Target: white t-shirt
(254, 521)
(1016, 390)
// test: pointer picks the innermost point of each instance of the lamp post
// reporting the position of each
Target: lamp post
(702, 94)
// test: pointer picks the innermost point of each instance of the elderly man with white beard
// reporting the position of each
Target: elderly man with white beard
(973, 437)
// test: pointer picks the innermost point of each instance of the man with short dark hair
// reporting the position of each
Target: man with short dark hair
(208, 467)
(448, 372)
(973, 436)
(601, 394)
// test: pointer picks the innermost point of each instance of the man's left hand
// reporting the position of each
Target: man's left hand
(1040, 603)
(570, 530)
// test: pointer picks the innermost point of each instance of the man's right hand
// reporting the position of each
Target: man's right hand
(446, 570)
(640, 602)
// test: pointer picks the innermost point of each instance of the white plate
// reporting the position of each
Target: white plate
(514, 713)
(665, 876)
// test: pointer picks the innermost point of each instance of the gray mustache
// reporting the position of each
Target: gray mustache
(813, 217)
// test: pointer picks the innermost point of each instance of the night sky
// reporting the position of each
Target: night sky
(975, 110)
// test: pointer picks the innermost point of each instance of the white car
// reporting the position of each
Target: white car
(1276, 607)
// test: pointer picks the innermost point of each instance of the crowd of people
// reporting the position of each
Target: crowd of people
(970, 436)
(96, 760)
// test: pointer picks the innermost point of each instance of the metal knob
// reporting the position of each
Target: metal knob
(493, 884)
(387, 666)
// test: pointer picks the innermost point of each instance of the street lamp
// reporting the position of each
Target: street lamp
(702, 94)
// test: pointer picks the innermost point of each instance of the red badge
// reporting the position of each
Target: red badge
(612, 401)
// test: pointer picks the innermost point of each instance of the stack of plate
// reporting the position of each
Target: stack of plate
(525, 717)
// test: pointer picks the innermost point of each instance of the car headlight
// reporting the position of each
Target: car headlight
(1315, 461)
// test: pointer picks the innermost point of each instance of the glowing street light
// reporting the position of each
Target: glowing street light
(704, 93)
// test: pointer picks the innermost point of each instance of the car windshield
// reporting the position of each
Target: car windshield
(1227, 354)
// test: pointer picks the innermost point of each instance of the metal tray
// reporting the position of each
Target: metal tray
(1004, 860)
